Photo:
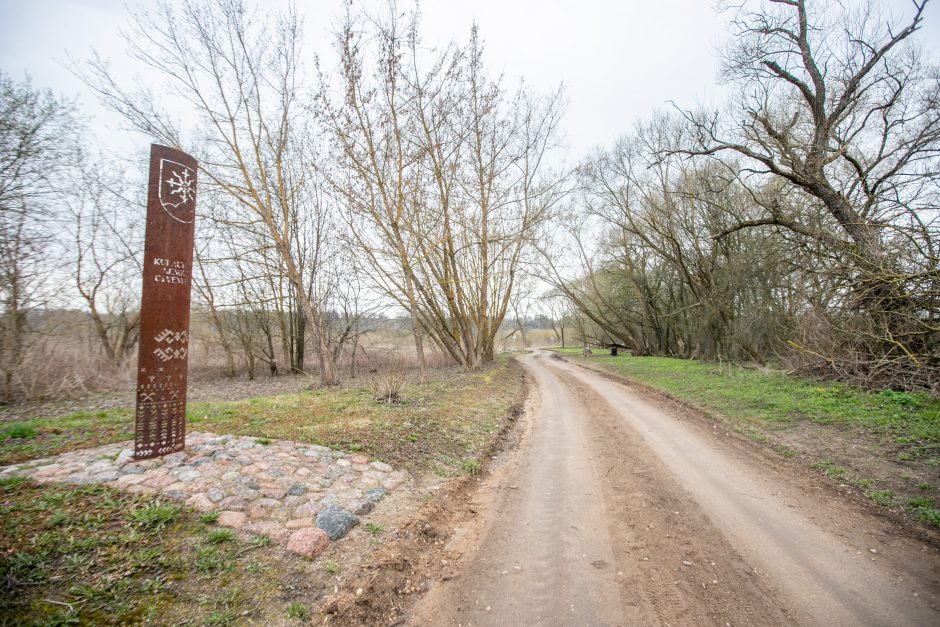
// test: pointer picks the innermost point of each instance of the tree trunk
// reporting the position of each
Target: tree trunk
(250, 364)
(313, 317)
(272, 358)
(102, 331)
(352, 358)
(16, 330)
(299, 341)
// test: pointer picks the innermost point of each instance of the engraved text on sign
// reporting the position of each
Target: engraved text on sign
(160, 426)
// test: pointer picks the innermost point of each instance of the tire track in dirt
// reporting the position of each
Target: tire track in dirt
(600, 532)
(545, 556)
(816, 551)
(673, 559)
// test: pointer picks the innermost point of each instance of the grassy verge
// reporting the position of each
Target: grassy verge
(92, 555)
(898, 466)
(440, 424)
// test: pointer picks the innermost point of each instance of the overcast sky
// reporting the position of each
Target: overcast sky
(620, 59)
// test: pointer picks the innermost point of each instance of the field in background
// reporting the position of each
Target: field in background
(64, 359)
(886, 444)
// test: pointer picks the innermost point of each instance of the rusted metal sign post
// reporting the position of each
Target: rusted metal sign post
(160, 423)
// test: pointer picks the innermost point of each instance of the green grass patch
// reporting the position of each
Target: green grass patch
(41, 437)
(218, 536)
(925, 509)
(471, 466)
(298, 611)
(92, 555)
(154, 516)
(830, 469)
(882, 497)
(19, 431)
(451, 416)
(841, 474)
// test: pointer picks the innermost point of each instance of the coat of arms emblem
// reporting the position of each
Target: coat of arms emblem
(177, 191)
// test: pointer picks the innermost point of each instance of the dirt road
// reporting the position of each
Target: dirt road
(614, 511)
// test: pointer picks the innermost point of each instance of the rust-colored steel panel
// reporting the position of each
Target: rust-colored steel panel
(160, 423)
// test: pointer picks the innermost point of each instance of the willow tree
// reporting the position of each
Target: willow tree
(839, 103)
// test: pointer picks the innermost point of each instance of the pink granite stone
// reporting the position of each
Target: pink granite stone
(308, 542)
(200, 503)
(235, 520)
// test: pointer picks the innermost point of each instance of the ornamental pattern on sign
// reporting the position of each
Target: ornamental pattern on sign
(160, 407)
(177, 190)
(181, 185)
(170, 351)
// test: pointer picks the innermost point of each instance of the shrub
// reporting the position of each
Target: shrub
(387, 386)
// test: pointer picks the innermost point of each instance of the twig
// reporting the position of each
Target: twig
(62, 603)
(246, 549)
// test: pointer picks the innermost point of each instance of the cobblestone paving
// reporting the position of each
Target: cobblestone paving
(265, 487)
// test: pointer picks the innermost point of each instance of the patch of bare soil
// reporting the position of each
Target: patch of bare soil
(292, 579)
(677, 567)
(260, 584)
(383, 587)
(864, 456)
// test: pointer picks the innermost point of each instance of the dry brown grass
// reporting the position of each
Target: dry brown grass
(61, 368)
(68, 364)
(387, 386)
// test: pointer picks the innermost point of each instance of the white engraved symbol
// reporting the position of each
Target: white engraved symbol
(177, 190)
(172, 336)
(181, 185)
(171, 351)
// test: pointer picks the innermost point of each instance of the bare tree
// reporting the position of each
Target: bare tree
(39, 147)
(651, 273)
(207, 294)
(841, 104)
(107, 251)
(242, 73)
(520, 304)
(371, 128)
(558, 308)
(443, 176)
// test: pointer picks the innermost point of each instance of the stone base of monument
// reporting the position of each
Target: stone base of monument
(276, 488)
